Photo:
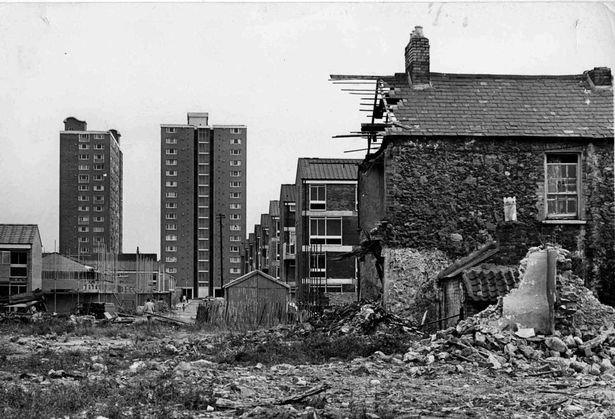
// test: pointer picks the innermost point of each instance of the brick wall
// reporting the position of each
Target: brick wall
(341, 197)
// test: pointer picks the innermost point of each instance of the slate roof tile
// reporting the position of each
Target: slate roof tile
(327, 169)
(19, 233)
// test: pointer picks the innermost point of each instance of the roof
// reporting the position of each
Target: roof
(254, 273)
(274, 208)
(470, 260)
(264, 220)
(288, 193)
(488, 282)
(19, 233)
(327, 169)
(61, 263)
(501, 105)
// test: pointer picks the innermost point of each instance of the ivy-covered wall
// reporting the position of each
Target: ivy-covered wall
(447, 194)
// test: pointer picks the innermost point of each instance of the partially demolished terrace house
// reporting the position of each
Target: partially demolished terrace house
(445, 150)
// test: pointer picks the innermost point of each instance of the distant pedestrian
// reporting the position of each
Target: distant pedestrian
(184, 302)
(148, 309)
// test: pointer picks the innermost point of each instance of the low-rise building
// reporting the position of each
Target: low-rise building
(326, 228)
(21, 259)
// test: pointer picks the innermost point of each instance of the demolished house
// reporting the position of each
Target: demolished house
(447, 152)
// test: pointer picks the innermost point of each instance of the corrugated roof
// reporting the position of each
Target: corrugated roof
(274, 208)
(19, 233)
(288, 193)
(60, 263)
(327, 169)
(502, 105)
(264, 220)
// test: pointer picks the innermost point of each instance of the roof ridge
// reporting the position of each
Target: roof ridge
(503, 75)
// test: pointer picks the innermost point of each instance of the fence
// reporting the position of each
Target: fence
(243, 315)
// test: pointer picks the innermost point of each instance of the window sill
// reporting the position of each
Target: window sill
(564, 221)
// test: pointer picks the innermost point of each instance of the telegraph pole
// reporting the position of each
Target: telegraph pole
(220, 218)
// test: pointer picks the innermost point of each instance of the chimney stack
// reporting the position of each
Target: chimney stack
(600, 76)
(417, 58)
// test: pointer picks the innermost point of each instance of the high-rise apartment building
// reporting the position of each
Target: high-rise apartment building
(202, 203)
(90, 190)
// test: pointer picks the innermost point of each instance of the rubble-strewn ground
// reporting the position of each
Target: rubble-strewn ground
(50, 370)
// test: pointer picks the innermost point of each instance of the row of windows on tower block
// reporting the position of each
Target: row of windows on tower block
(96, 188)
(171, 130)
(173, 152)
(87, 147)
(85, 138)
(95, 239)
(96, 208)
(86, 156)
(97, 198)
(86, 219)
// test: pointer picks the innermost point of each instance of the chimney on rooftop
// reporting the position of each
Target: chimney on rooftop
(600, 76)
(417, 58)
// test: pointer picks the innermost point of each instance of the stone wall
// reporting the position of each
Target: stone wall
(448, 194)
(409, 282)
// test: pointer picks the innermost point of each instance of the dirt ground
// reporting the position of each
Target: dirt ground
(128, 371)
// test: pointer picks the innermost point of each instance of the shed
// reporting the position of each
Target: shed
(258, 296)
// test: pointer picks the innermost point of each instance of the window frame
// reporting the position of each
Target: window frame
(317, 204)
(326, 238)
(578, 193)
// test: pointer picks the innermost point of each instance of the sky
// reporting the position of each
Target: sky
(135, 66)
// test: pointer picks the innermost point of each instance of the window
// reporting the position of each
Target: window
(99, 147)
(235, 227)
(234, 270)
(98, 229)
(170, 259)
(318, 265)
(235, 152)
(84, 188)
(170, 237)
(171, 151)
(99, 219)
(83, 198)
(234, 206)
(171, 270)
(171, 216)
(234, 249)
(171, 172)
(235, 130)
(235, 162)
(291, 207)
(317, 197)
(83, 229)
(84, 156)
(98, 178)
(235, 195)
(170, 130)
(99, 239)
(83, 208)
(171, 205)
(84, 146)
(325, 231)
(99, 166)
(99, 157)
(98, 208)
(98, 199)
(99, 136)
(171, 195)
(83, 219)
(84, 138)
(235, 259)
(170, 162)
(235, 140)
(84, 167)
(235, 173)
(99, 188)
(170, 184)
(235, 184)
(83, 239)
(84, 178)
(171, 226)
(235, 216)
(171, 140)
(562, 185)
(84, 250)
(170, 248)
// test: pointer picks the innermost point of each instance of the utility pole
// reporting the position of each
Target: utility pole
(220, 218)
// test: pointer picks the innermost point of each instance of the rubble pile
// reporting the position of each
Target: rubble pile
(360, 318)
